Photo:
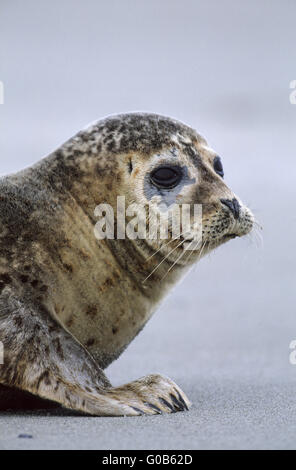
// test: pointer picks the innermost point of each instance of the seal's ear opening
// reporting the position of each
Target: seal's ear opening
(130, 166)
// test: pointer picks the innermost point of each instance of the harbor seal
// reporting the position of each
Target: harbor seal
(70, 303)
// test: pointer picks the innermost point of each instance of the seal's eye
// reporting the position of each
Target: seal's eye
(218, 167)
(166, 176)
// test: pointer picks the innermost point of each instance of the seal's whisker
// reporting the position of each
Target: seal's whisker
(258, 236)
(189, 256)
(163, 246)
(179, 244)
(257, 225)
(255, 239)
(200, 253)
(176, 261)
(199, 256)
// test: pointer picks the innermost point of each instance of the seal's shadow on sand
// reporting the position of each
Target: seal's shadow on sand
(16, 401)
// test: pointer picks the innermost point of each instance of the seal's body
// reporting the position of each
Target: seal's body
(70, 303)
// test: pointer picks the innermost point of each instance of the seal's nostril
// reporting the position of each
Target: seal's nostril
(233, 205)
(236, 208)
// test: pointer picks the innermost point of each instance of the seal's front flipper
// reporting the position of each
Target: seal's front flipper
(153, 394)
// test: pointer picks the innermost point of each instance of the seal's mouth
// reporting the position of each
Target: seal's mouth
(229, 236)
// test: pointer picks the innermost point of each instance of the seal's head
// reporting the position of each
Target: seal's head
(163, 162)
(158, 161)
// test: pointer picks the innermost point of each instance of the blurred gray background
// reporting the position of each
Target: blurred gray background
(224, 67)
